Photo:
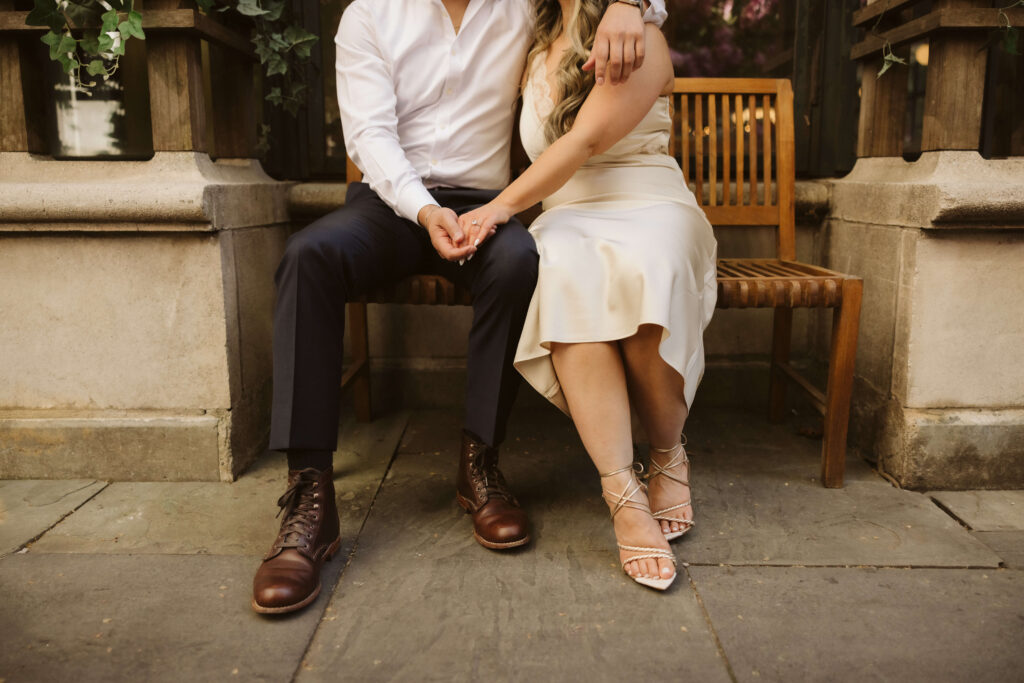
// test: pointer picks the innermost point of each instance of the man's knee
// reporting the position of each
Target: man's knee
(322, 249)
(513, 262)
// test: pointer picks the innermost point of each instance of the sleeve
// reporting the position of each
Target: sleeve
(369, 118)
(656, 12)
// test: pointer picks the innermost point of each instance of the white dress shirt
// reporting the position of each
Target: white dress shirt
(423, 107)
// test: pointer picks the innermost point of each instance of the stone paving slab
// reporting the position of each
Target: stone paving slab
(756, 497)
(1008, 545)
(28, 507)
(985, 510)
(111, 618)
(422, 601)
(830, 624)
(219, 518)
(758, 502)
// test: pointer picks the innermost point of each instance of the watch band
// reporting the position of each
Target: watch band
(639, 4)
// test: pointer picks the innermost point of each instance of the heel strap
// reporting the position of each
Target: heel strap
(625, 498)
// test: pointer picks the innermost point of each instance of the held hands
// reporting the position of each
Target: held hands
(619, 44)
(448, 238)
(481, 223)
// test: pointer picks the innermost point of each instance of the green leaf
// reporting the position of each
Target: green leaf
(96, 68)
(205, 5)
(69, 63)
(887, 61)
(250, 8)
(89, 43)
(274, 9)
(276, 65)
(300, 40)
(59, 45)
(45, 13)
(109, 20)
(1010, 41)
(135, 25)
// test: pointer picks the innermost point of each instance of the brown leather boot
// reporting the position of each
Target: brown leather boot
(498, 521)
(289, 578)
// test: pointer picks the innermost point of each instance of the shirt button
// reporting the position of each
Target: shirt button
(448, 91)
(433, 162)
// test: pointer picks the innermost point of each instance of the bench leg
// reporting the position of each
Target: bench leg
(845, 324)
(782, 332)
(360, 360)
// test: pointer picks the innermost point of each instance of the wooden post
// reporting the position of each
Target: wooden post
(883, 103)
(956, 86)
(234, 103)
(177, 104)
(13, 125)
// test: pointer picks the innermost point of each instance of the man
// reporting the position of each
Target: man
(427, 92)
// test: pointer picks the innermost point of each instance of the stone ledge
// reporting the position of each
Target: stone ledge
(941, 190)
(118, 446)
(317, 199)
(182, 191)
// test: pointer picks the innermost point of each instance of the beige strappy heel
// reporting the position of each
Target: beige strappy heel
(626, 499)
(679, 458)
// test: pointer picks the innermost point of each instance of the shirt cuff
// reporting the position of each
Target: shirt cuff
(413, 198)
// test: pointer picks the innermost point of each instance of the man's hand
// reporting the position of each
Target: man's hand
(481, 223)
(445, 234)
(618, 45)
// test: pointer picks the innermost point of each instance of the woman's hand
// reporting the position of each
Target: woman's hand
(481, 223)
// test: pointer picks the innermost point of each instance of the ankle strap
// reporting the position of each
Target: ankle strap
(637, 467)
(625, 498)
(682, 442)
(679, 458)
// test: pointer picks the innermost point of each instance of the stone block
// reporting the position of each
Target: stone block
(1008, 545)
(111, 445)
(965, 344)
(112, 321)
(953, 449)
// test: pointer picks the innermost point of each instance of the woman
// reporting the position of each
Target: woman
(626, 283)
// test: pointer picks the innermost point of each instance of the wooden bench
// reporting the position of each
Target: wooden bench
(733, 138)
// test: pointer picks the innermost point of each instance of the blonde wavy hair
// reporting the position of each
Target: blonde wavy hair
(573, 83)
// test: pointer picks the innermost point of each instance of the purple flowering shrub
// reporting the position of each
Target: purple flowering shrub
(722, 37)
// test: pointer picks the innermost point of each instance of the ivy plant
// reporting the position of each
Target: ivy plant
(92, 34)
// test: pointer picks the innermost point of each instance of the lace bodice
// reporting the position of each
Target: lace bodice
(650, 136)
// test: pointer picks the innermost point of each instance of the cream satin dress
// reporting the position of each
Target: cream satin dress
(622, 244)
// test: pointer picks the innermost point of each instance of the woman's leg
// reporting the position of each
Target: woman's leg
(657, 392)
(594, 382)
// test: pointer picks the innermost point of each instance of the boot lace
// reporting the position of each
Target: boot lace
(301, 510)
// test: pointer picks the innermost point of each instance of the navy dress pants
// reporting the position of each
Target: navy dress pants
(359, 247)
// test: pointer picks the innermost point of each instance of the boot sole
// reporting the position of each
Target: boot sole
(285, 609)
(491, 545)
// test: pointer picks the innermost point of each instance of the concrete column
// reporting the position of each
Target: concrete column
(940, 369)
(136, 301)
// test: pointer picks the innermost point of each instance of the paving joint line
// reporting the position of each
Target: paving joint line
(939, 504)
(24, 546)
(974, 567)
(352, 552)
(711, 627)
